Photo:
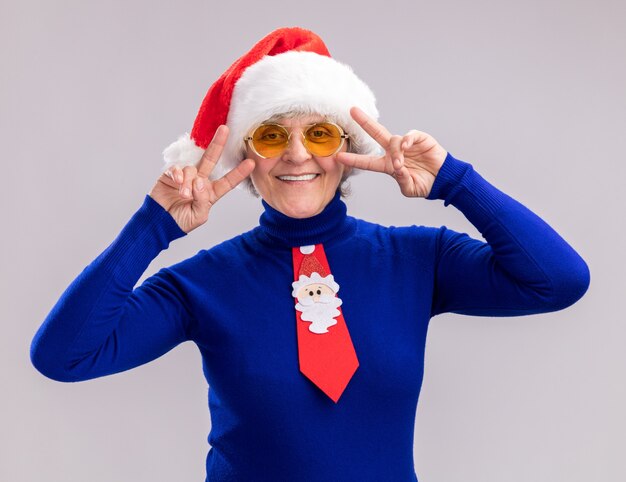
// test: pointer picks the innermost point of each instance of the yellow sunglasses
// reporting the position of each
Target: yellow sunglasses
(321, 139)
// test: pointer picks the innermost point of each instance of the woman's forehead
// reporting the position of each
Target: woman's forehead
(297, 120)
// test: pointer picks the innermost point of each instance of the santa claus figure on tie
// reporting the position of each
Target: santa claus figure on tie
(316, 292)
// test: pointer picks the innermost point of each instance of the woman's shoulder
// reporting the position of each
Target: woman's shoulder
(397, 237)
(365, 227)
(225, 253)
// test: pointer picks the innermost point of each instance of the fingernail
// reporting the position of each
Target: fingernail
(186, 192)
(199, 185)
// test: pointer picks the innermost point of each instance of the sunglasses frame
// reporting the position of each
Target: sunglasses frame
(250, 137)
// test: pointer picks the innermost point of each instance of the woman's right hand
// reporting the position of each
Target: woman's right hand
(188, 194)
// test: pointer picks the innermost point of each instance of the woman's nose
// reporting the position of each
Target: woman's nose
(296, 152)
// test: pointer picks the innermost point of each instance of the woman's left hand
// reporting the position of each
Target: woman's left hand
(413, 160)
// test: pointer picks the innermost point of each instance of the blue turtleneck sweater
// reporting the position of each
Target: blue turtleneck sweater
(269, 422)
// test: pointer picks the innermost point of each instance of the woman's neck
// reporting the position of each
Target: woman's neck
(331, 224)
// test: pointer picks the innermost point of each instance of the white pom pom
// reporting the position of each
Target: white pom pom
(182, 152)
(307, 249)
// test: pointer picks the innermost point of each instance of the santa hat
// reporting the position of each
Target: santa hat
(312, 272)
(289, 70)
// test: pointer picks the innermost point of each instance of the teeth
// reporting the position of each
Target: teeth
(305, 177)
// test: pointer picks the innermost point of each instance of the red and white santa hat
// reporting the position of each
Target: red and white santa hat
(289, 70)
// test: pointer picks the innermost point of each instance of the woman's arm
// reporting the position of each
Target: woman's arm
(525, 267)
(100, 325)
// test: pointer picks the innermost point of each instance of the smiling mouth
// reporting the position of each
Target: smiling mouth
(303, 177)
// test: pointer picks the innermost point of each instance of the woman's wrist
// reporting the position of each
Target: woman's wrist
(449, 175)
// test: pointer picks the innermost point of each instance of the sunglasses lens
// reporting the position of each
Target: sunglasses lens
(270, 140)
(323, 139)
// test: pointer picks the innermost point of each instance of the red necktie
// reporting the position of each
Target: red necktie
(325, 350)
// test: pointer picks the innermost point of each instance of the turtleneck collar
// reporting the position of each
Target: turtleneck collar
(331, 224)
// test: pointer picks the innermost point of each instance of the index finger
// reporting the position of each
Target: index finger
(213, 152)
(233, 177)
(369, 125)
(363, 161)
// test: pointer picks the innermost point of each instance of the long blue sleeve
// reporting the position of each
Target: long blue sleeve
(524, 267)
(100, 325)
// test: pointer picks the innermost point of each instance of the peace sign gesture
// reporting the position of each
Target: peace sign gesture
(188, 194)
(413, 160)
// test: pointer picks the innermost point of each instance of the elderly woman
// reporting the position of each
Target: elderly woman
(312, 325)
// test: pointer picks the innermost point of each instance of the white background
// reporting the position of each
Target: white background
(531, 93)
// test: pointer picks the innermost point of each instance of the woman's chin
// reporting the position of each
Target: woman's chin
(299, 208)
(302, 213)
